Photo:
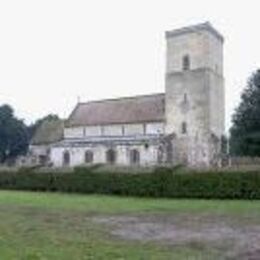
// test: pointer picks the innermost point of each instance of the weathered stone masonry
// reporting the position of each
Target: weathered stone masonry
(182, 125)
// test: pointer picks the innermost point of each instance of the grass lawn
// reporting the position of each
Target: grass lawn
(67, 226)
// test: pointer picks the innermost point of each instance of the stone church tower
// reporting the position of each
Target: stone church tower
(194, 96)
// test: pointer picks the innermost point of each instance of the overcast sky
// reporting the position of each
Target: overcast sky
(53, 51)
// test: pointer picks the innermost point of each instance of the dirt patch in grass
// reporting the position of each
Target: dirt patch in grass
(232, 238)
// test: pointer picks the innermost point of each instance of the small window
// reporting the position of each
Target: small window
(186, 62)
(111, 156)
(88, 157)
(184, 128)
(185, 99)
(134, 157)
(66, 158)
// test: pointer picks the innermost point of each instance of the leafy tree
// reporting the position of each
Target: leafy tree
(13, 135)
(245, 132)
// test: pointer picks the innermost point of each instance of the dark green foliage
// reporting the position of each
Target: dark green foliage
(163, 182)
(13, 135)
(245, 132)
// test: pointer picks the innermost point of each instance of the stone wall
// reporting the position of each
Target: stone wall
(195, 109)
(244, 161)
(153, 128)
(148, 155)
(201, 44)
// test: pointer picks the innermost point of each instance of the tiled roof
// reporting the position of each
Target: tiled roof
(50, 131)
(149, 108)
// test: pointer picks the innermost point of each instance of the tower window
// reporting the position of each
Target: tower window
(186, 62)
(185, 99)
(184, 128)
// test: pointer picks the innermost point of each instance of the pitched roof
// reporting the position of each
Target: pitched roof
(50, 131)
(117, 111)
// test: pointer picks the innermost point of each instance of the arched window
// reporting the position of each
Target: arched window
(134, 157)
(66, 158)
(89, 156)
(169, 152)
(111, 156)
(186, 62)
(184, 128)
(185, 99)
(160, 154)
(146, 146)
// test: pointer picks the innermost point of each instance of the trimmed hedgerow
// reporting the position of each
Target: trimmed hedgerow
(162, 182)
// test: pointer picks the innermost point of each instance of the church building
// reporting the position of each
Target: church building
(183, 125)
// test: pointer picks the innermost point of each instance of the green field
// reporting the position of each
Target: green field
(66, 226)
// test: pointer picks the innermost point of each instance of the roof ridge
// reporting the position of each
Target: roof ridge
(140, 108)
(120, 98)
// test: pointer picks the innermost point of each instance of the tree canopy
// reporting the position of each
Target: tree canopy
(245, 131)
(13, 134)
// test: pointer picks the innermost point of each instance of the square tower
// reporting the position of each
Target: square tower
(195, 93)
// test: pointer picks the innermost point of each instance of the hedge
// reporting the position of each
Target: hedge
(162, 182)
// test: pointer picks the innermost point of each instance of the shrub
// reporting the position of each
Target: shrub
(162, 182)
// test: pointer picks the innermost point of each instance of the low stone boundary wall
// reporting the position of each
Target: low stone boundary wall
(245, 160)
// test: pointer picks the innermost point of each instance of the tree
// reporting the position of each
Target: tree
(13, 135)
(245, 131)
